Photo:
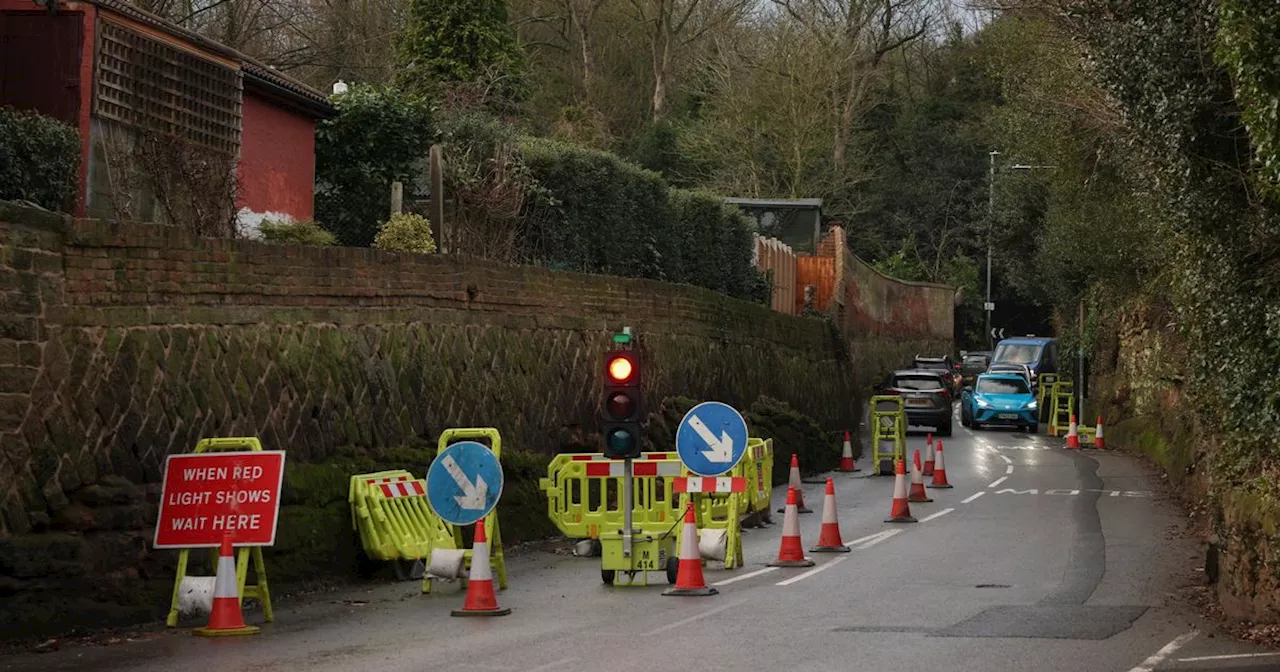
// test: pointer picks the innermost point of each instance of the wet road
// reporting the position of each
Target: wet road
(1038, 559)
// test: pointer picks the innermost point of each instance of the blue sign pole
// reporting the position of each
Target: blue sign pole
(464, 483)
(711, 438)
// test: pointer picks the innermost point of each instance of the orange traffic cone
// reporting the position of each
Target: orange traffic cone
(918, 493)
(481, 600)
(794, 482)
(928, 455)
(939, 470)
(1073, 437)
(226, 619)
(829, 538)
(846, 458)
(900, 513)
(1097, 437)
(689, 580)
(791, 553)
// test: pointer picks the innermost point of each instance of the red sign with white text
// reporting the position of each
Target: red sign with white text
(207, 495)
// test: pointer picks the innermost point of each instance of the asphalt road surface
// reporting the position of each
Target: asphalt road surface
(1038, 559)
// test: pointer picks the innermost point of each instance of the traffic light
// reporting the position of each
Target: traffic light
(623, 412)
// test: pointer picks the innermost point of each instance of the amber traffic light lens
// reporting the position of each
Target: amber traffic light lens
(620, 369)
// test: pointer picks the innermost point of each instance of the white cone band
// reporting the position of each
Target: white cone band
(689, 542)
(900, 486)
(928, 452)
(1098, 434)
(480, 570)
(848, 450)
(916, 475)
(225, 584)
(791, 521)
(938, 465)
(795, 479)
(828, 509)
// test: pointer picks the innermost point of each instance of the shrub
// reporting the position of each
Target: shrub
(379, 136)
(39, 159)
(299, 233)
(405, 232)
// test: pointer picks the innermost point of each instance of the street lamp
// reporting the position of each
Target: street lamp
(988, 307)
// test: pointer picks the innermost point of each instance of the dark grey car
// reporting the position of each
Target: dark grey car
(925, 396)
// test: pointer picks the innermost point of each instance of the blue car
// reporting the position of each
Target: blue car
(999, 399)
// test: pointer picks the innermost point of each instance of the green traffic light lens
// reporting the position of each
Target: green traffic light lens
(621, 441)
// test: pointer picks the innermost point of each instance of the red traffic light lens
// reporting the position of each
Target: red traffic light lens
(620, 369)
(621, 405)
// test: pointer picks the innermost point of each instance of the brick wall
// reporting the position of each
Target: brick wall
(121, 344)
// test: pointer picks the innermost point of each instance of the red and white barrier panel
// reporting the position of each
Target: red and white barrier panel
(605, 469)
(403, 489)
(707, 484)
(388, 479)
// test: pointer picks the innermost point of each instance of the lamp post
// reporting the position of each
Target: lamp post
(988, 307)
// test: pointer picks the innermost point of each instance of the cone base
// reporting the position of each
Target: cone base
(830, 549)
(705, 591)
(480, 612)
(920, 500)
(227, 632)
(901, 519)
(792, 563)
(939, 485)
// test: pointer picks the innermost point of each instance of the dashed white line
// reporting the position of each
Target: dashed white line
(936, 515)
(875, 539)
(1008, 469)
(1007, 459)
(998, 481)
(686, 621)
(974, 496)
(1167, 650)
(870, 537)
(815, 570)
(746, 576)
(1232, 656)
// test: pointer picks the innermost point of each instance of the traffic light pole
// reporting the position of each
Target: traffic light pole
(627, 495)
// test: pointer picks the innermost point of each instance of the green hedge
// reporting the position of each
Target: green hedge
(39, 159)
(601, 214)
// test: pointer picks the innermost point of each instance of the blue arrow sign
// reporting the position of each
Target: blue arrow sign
(464, 483)
(711, 438)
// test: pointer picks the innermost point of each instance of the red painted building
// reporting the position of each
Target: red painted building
(112, 70)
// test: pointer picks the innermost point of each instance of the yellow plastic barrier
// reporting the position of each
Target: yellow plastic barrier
(757, 466)
(1044, 390)
(1064, 406)
(888, 426)
(390, 513)
(584, 493)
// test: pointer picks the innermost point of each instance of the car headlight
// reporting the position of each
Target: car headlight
(982, 403)
(1031, 405)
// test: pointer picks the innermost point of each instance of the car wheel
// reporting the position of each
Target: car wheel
(964, 419)
(673, 570)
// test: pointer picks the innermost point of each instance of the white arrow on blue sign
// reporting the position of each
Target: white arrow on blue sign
(464, 483)
(711, 438)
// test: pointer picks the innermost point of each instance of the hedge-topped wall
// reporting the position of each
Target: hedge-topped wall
(121, 344)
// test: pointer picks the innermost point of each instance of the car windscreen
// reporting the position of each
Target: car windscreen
(939, 365)
(1002, 386)
(917, 382)
(1017, 353)
(975, 360)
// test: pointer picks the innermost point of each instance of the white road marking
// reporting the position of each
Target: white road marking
(686, 621)
(936, 515)
(744, 577)
(869, 537)
(879, 538)
(1167, 650)
(1007, 459)
(998, 481)
(974, 496)
(1233, 656)
(815, 570)
(552, 666)
(1008, 469)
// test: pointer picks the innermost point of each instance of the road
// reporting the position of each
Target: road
(1038, 559)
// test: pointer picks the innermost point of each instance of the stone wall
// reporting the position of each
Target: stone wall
(121, 344)
(1138, 387)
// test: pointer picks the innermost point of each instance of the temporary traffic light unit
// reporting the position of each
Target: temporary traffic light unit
(622, 405)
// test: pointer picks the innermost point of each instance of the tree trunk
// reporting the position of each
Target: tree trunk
(661, 60)
(582, 23)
